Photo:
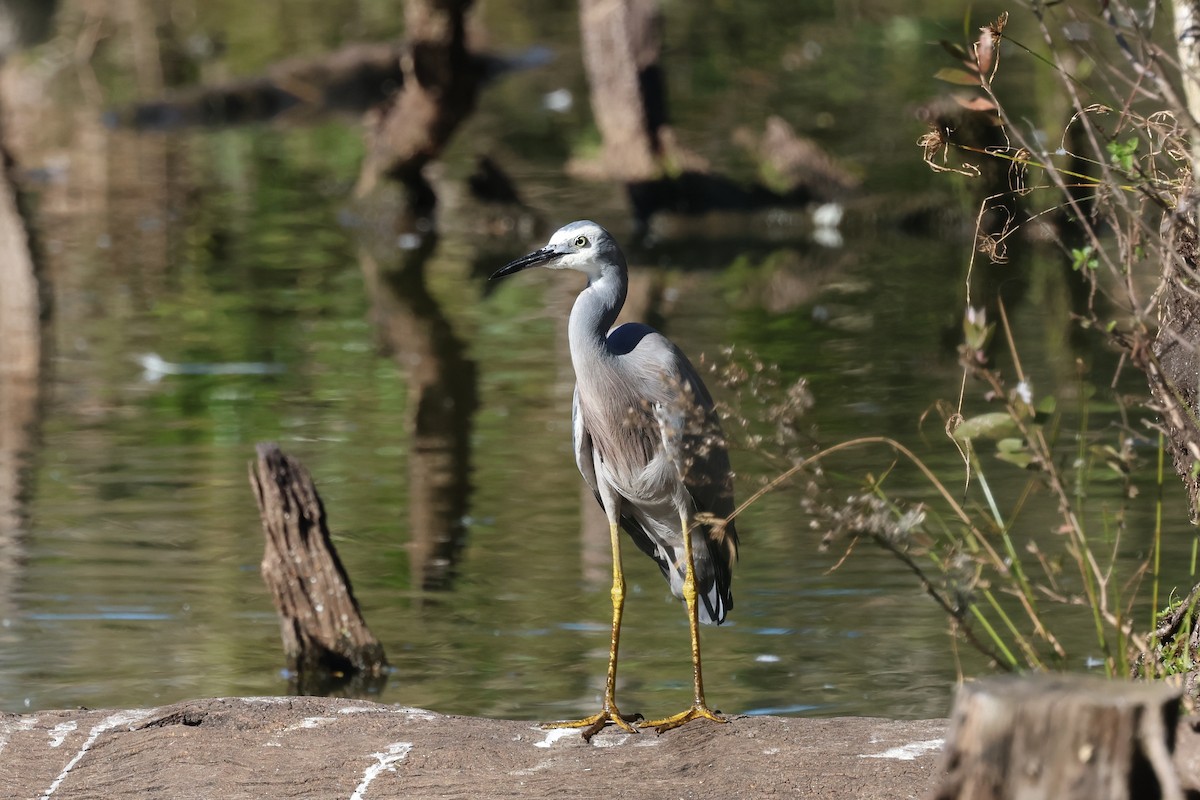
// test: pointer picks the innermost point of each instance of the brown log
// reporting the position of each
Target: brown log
(304, 748)
(324, 634)
(351, 79)
(1061, 737)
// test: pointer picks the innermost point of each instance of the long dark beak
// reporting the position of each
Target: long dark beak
(534, 259)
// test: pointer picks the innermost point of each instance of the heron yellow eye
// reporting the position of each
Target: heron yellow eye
(581, 241)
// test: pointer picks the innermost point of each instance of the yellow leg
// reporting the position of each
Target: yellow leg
(609, 713)
(699, 708)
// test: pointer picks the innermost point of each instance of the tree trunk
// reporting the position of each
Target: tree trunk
(1062, 737)
(1187, 44)
(1174, 363)
(621, 44)
(324, 635)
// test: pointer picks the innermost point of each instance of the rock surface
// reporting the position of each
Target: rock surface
(310, 747)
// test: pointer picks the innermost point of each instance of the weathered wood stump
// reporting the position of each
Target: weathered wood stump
(1062, 737)
(325, 638)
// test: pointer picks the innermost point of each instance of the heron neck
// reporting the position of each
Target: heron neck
(597, 307)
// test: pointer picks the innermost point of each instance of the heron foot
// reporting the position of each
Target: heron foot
(595, 723)
(697, 711)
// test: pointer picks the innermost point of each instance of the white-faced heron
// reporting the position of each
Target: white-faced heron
(649, 444)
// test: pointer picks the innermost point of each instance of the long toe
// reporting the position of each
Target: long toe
(596, 723)
(698, 711)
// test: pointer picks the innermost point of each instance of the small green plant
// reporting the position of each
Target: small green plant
(1117, 165)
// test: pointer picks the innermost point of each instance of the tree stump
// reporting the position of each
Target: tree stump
(325, 638)
(621, 43)
(1059, 738)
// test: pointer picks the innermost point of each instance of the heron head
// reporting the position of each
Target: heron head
(583, 246)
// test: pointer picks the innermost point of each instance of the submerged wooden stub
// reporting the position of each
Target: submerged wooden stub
(323, 630)
(1061, 737)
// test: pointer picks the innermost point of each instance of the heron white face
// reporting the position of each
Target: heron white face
(578, 246)
(583, 246)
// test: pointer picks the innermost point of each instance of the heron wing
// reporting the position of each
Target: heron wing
(585, 460)
(696, 443)
(692, 438)
(583, 447)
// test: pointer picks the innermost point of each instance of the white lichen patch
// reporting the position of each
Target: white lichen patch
(388, 760)
(121, 718)
(273, 701)
(309, 722)
(908, 751)
(601, 740)
(553, 735)
(7, 729)
(58, 734)
(541, 765)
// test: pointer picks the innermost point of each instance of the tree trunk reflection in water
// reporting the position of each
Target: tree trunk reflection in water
(21, 359)
(22, 352)
(442, 399)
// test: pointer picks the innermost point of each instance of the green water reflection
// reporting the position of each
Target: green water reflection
(139, 577)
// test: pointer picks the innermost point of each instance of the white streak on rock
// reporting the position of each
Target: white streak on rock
(409, 711)
(309, 722)
(8, 728)
(541, 765)
(271, 701)
(416, 713)
(554, 734)
(908, 751)
(611, 741)
(58, 734)
(107, 724)
(394, 755)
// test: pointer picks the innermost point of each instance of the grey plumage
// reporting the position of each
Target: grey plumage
(647, 441)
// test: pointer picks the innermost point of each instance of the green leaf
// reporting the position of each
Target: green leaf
(1082, 257)
(1122, 153)
(993, 425)
(1047, 405)
(956, 50)
(1014, 451)
(956, 76)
